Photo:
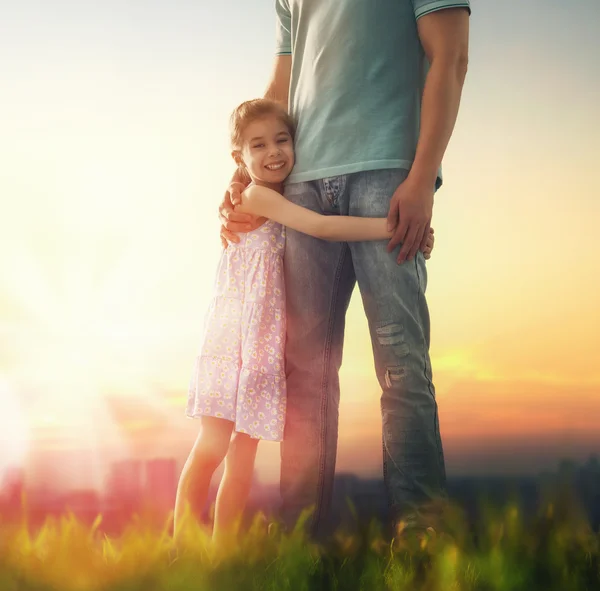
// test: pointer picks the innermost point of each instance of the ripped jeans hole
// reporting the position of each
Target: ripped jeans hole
(390, 334)
(392, 375)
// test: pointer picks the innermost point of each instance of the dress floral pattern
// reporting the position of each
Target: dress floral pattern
(239, 374)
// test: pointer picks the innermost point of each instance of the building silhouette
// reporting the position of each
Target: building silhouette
(124, 487)
(11, 492)
(160, 484)
(148, 489)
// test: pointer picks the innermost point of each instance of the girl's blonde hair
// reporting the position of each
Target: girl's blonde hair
(250, 111)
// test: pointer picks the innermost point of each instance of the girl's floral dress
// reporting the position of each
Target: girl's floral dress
(239, 374)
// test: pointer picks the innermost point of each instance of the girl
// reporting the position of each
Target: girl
(238, 383)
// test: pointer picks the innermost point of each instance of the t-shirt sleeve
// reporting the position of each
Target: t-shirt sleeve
(283, 31)
(423, 7)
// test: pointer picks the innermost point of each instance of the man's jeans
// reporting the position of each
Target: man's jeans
(319, 278)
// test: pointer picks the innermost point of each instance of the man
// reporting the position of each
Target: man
(375, 89)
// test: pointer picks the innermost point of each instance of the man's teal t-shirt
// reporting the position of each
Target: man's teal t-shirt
(358, 71)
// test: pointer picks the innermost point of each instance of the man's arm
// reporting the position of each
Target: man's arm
(232, 222)
(444, 35)
(278, 88)
(445, 38)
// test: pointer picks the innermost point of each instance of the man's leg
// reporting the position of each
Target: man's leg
(394, 301)
(319, 280)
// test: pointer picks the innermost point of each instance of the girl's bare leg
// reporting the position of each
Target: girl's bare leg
(234, 488)
(206, 456)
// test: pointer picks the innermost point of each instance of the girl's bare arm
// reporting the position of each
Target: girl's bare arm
(261, 201)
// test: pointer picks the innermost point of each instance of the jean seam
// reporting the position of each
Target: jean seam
(324, 398)
(429, 382)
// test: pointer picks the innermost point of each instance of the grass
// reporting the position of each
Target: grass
(505, 550)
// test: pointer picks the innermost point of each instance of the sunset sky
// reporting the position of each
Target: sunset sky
(114, 155)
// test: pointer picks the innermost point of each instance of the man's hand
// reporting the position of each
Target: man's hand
(232, 221)
(411, 208)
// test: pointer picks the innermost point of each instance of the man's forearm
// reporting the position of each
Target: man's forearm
(279, 85)
(274, 93)
(439, 110)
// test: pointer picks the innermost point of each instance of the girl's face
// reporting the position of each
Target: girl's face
(267, 151)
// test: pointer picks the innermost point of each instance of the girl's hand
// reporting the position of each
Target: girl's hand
(429, 244)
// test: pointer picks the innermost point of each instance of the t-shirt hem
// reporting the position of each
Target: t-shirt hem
(441, 5)
(323, 173)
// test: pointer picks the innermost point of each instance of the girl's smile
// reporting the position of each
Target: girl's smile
(267, 151)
